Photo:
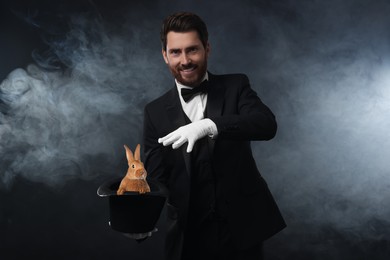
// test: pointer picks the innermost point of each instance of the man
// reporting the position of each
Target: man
(219, 206)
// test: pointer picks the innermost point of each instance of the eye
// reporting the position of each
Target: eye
(133, 166)
(174, 52)
(193, 50)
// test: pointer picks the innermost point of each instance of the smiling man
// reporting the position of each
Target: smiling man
(186, 56)
(197, 142)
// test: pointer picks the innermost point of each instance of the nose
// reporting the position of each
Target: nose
(141, 173)
(185, 59)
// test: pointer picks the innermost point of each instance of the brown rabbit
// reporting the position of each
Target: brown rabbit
(135, 179)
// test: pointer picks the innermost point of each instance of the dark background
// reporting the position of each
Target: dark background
(76, 75)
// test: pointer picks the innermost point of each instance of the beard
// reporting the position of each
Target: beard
(193, 80)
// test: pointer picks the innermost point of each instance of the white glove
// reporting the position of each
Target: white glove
(190, 133)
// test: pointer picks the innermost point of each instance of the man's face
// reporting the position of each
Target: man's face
(186, 57)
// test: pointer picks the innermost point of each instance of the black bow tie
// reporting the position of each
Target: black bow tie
(189, 93)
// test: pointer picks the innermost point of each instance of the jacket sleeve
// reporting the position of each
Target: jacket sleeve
(245, 116)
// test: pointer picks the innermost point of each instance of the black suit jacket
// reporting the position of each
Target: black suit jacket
(240, 117)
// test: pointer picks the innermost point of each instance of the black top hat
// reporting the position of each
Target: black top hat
(133, 212)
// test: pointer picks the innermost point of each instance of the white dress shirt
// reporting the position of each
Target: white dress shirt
(195, 108)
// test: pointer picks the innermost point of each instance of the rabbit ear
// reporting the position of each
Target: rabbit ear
(129, 154)
(137, 153)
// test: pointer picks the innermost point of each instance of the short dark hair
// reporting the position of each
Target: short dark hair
(183, 22)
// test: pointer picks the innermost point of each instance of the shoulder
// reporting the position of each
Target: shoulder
(230, 79)
(160, 101)
(230, 83)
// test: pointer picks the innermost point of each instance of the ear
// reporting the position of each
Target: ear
(129, 154)
(164, 54)
(137, 153)
(208, 49)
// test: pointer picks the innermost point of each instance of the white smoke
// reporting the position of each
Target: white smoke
(322, 67)
(66, 123)
(327, 77)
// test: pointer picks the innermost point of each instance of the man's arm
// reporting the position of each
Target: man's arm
(250, 120)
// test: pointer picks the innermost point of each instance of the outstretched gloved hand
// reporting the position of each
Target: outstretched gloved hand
(189, 133)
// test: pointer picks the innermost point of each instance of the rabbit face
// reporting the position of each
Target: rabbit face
(136, 167)
(135, 179)
(136, 170)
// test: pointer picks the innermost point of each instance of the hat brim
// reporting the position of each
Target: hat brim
(133, 212)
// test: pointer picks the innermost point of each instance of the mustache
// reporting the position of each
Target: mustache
(187, 66)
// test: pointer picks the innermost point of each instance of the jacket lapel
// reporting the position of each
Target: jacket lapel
(215, 99)
(176, 115)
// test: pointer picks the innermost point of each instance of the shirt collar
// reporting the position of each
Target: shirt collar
(180, 86)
